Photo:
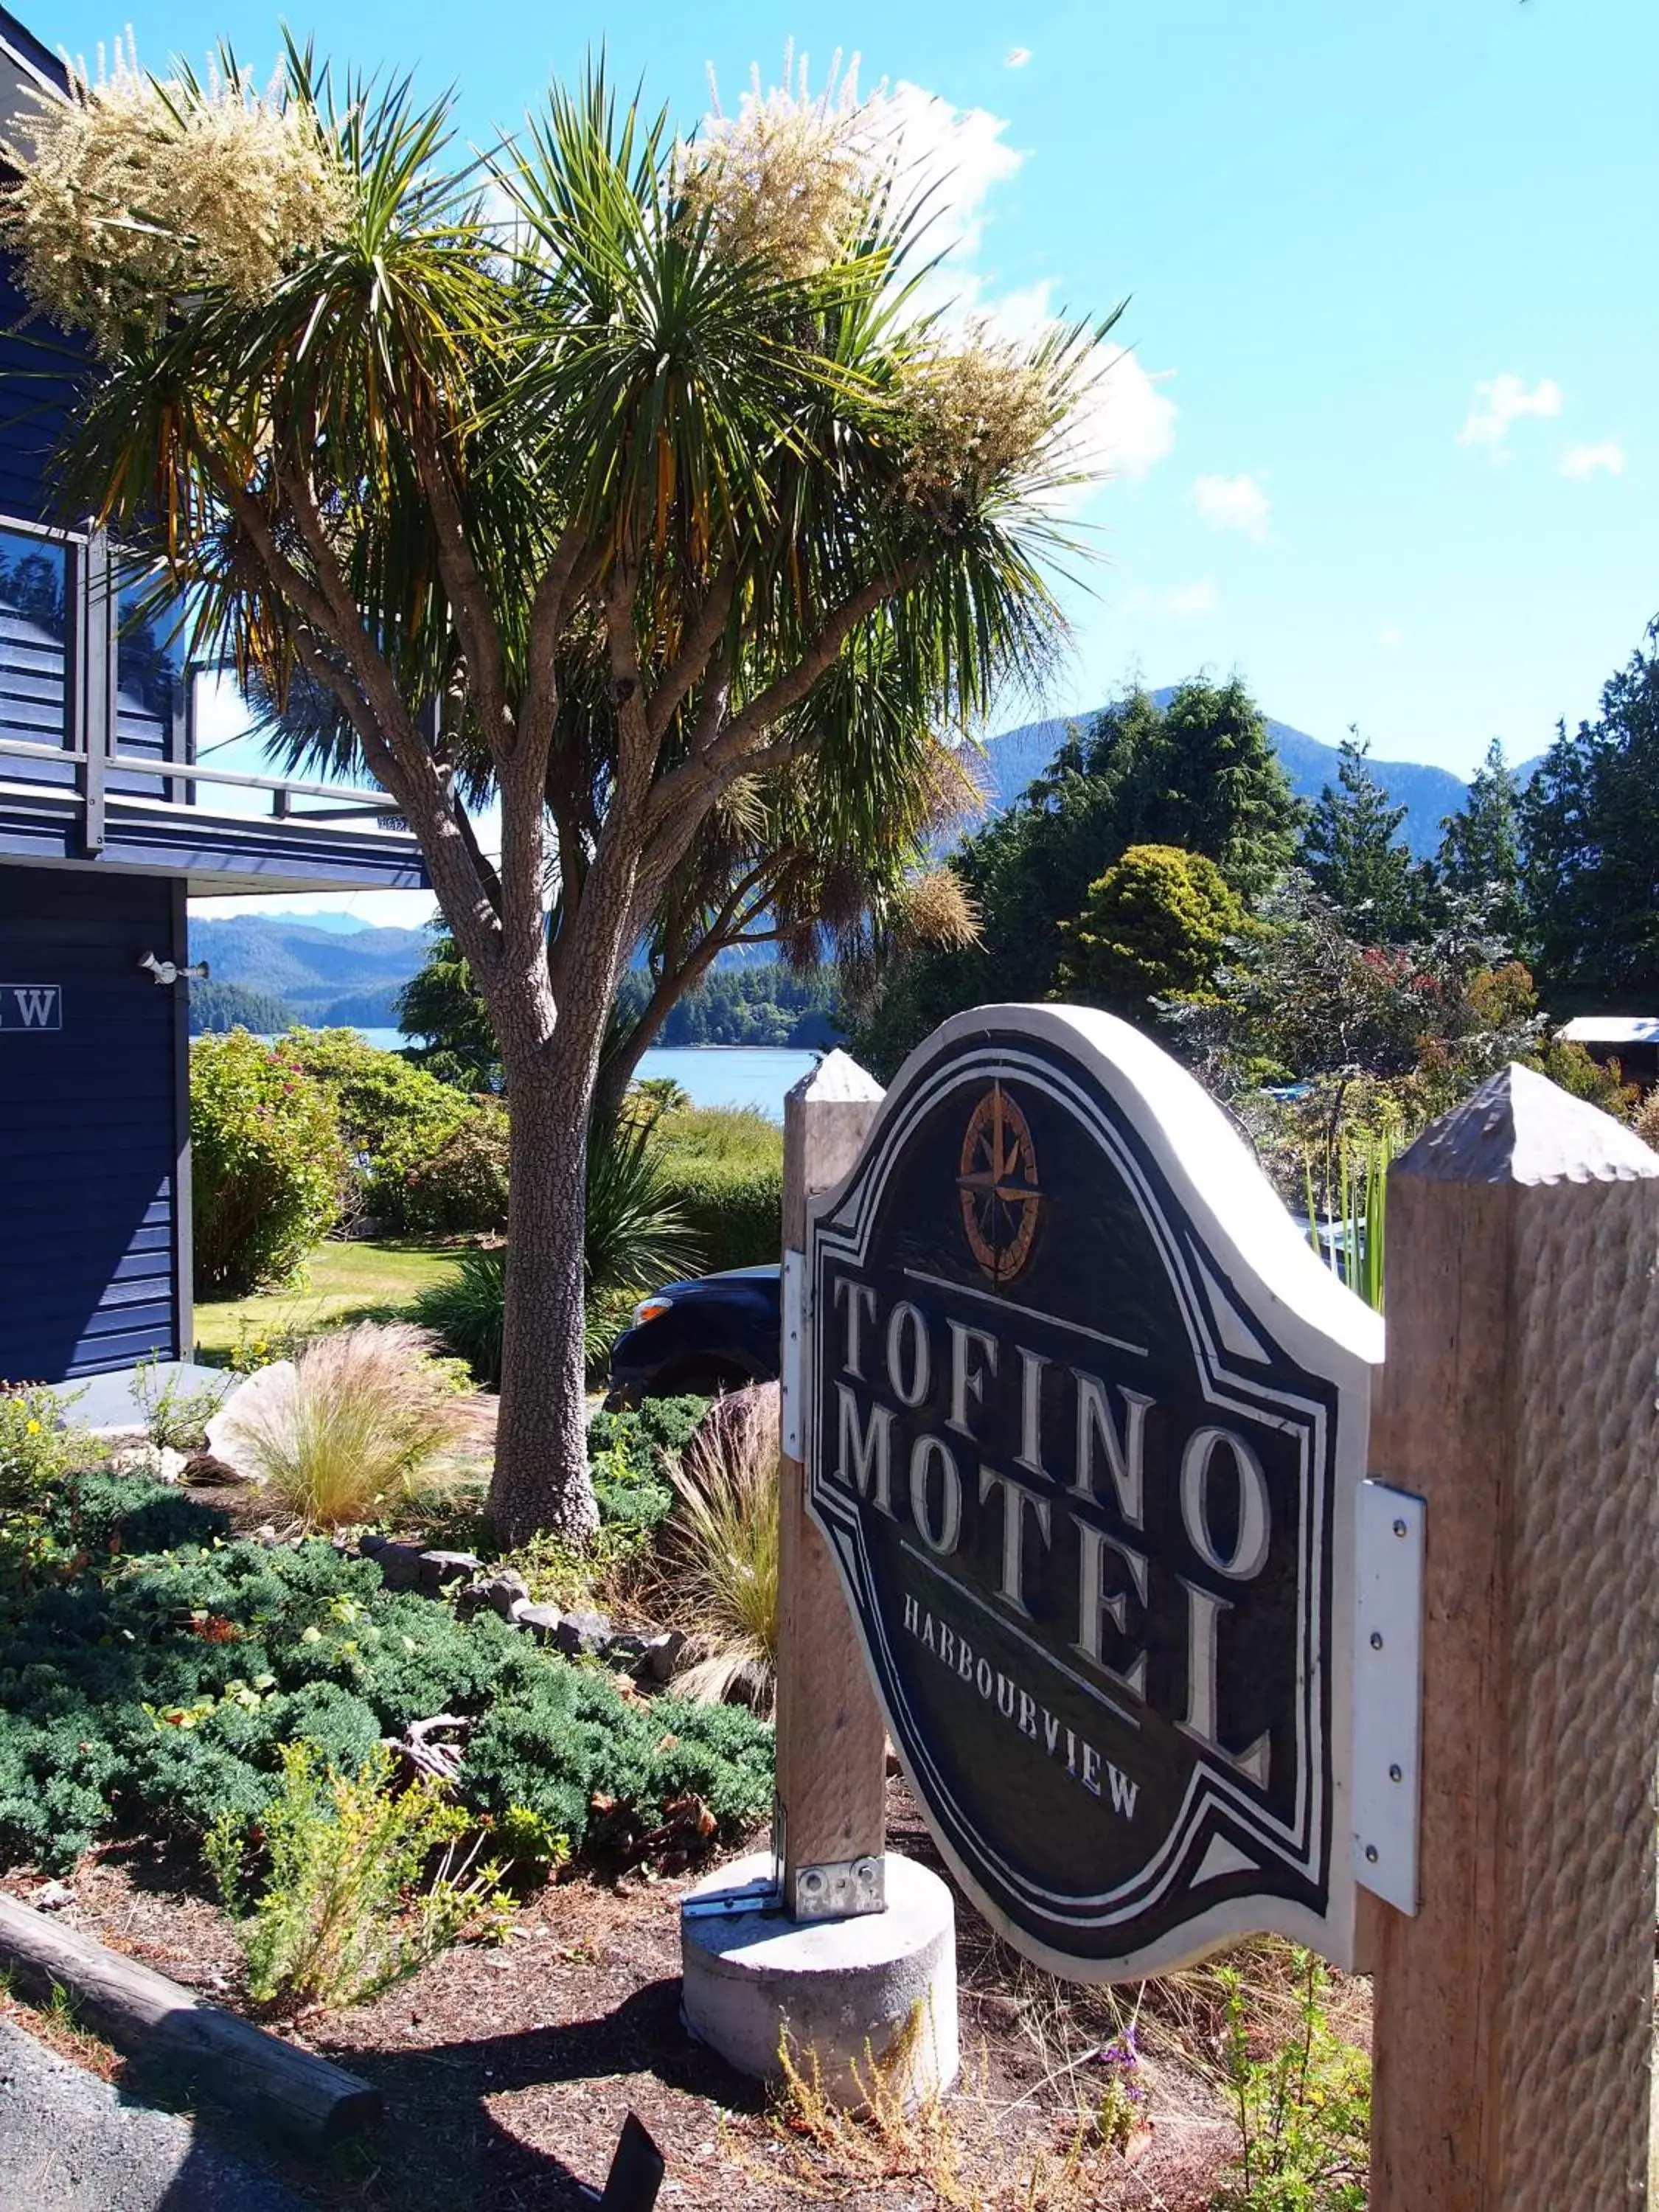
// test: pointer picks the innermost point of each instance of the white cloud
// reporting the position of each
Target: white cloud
(1605, 459)
(1017, 57)
(1501, 401)
(1391, 637)
(1233, 503)
(1127, 422)
(1179, 602)
(955, 155)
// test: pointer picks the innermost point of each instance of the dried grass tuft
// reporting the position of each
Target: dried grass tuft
(134, 194)
(365, 1412)
(724, 1535)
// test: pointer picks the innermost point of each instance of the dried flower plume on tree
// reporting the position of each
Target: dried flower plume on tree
(647, 495)
(140, 195)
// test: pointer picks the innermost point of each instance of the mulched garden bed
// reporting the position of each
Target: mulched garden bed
(507, 2073)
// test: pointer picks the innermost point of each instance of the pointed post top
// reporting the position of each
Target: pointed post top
(1519, 1127)
(838, 1080)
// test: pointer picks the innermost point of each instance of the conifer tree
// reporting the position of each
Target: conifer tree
(1480, 855)
(1354, 856)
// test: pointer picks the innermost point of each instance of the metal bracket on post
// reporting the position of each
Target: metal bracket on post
(840, 1891)
(792, 1373)
(1387, 1691)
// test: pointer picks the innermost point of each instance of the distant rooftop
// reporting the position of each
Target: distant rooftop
(1613, 1029)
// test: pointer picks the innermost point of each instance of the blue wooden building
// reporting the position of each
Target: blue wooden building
(108, 823)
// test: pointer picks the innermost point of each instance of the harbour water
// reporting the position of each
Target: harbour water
(713, 1074)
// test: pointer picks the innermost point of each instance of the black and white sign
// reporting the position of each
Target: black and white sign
(31, 1007)
(1086, 1425)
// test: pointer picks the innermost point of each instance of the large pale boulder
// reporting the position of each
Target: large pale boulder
(249, 1407)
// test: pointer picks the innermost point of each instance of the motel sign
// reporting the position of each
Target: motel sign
(1085, 1432)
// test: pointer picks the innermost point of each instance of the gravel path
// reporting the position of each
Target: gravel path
(70, 2142)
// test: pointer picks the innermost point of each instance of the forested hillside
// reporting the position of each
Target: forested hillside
(319, 976)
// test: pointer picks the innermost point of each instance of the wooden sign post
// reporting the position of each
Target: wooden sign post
(832, 1770)
(829, 1945)
(1513, 2014)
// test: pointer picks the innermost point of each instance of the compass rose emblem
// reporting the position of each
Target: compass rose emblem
(998, 1186)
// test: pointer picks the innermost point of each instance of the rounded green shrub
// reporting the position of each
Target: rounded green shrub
(459, 1189)
(266, 1162)
(396, 1122)
(38, 1447)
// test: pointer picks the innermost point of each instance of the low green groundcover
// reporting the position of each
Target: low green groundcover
(150, 1669)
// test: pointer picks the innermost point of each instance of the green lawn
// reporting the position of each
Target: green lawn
(344, 1282)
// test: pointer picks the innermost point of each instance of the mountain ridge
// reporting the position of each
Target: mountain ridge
(1014, 757)
(323, 974)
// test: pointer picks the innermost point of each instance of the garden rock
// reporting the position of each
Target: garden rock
(660, 1656)
(544, 1621)
(242, 1416)
(583, 1636)
(499, 1592)
(399, 1563)
(160, 1462)
(439, 1569)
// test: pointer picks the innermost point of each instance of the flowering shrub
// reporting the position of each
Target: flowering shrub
(458, 1187)
(140, 195)
(1303, 2110)
(37, 1445)
(345, 1911)
(266, 1162)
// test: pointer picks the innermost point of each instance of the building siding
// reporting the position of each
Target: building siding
(89, 1127)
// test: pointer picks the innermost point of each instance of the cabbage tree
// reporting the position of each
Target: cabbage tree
(580, 474)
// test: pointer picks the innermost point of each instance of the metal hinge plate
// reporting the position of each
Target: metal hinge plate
(760, 1895)
(791, 1368)
(1387, 1691)
(840, 1890)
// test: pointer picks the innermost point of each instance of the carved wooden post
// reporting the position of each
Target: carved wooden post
(1513, 2020)
(830, 1740)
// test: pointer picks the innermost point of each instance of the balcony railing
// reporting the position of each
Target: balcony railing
(90, 705)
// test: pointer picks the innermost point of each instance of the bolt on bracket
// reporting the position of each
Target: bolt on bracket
(1387, 1691)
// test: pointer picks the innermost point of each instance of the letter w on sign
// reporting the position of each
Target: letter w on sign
(1086, 1429)
(31, 1007)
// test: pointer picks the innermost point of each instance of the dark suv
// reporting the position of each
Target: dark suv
(713, 1332)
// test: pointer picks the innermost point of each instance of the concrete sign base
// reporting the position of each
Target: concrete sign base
(881, 1986)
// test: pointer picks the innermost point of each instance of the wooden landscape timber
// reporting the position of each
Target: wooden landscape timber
(1513, 2014)
(211, 2053)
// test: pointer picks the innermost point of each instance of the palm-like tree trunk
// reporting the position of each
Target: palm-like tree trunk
(541, 1453)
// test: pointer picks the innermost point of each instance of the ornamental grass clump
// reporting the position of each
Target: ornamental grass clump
(347, 1908)
(135, 195)
(724, 1574)
(364, 1411)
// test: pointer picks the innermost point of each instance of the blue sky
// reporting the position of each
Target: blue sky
(1387, 441)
